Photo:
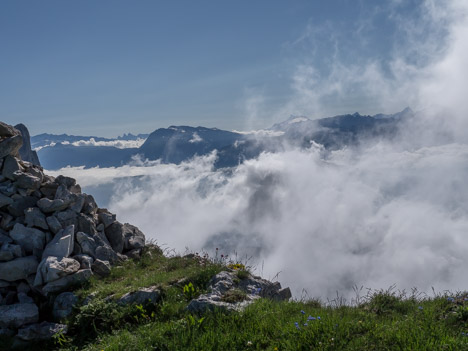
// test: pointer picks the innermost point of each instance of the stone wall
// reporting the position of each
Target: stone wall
(53, 237)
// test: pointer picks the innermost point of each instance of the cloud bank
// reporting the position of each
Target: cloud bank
(381, 215)
(119, 144)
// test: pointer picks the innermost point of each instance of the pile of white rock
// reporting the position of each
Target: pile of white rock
(53, 238)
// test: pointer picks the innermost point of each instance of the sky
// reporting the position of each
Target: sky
(110, 67)
(388, 213)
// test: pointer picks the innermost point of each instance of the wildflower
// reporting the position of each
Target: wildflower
(318, 317)
(310, 318)
(420, 307)
(450, 299)
(297, 325)
(275, 349)
(305, 324)
(249, 343)
(302, 312)
(257, 291)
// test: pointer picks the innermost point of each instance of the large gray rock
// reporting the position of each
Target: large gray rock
(101, 268)
(41, 331)
(24, 298)
(48, 206)
(10, 146)
(85, 261)
(20, 204)
(87, 243)
(5, 200)
(89, 207)
(86, 224)
(225, 282)
(10, 251)
(105, 253)
(68, 281)
(63, 305)
(62, 243)
(35, 218)
(54, 224)
(5, 238)
(53, 268)
(115, 235)
(30, 239)
(105, 217)
(142, 296)
(7, 131)
(49, 189)
(18, 268)
(27, 181)
(17, 315)
(10, 166)
(134, 237)
(26, 153)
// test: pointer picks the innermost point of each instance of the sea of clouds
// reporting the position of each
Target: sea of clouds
(383, 214)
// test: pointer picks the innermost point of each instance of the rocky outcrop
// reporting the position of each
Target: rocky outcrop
(53, 237)
(231, 292)
(26, 153)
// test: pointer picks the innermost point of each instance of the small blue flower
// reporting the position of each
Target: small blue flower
(302, 311)
(297, 325)
(450, 299)
(305, 324)
(420, 307)
(463, 334)
(318, 317)
(310, 318)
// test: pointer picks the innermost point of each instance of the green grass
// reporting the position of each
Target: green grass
(383, 320)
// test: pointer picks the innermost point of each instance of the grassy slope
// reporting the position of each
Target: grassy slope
(384, 322)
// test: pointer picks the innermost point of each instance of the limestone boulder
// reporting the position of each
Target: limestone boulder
(10, 146)
(101, 268)
(62, 243)
(68, 282)
(35, 218)
(144, 296)
(85, 261)
(30, 239)
(63, 305)
(134, 238)
(105, 217)
(115, 235)
(10, 166)
(10, 251)
(41, 331)
(17, 315)
(87, 243)
(54, 224)
(19, 268)
(21, 203)
(5, 200)
(53, 268)
(27, 181)
(49, 206)
(251, 288)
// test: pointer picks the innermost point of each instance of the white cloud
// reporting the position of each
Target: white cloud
(195, 138)
(382, 215)
(376, 218)
(120, 144)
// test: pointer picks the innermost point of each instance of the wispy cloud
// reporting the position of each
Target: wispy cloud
(385, 214)
(120, 144)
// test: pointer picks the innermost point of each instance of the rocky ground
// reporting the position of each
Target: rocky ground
(53, 237)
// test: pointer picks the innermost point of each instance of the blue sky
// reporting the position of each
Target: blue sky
(109, 67)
